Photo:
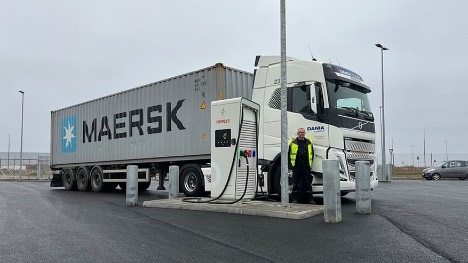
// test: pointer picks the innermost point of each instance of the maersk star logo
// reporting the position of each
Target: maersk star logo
(68, 134)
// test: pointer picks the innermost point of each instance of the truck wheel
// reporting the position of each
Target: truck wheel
(97, 184)
(68, 178)
(82, 179)
(277, 181)
(191, 179)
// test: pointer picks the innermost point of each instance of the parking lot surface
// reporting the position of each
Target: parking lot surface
(411, 221)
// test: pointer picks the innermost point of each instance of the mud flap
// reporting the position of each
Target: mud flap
(56, 180)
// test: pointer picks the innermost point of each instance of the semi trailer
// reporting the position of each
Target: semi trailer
(168, 123)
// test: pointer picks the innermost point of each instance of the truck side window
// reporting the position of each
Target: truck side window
(299, 100)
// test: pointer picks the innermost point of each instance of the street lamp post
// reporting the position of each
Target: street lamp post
(21, 147)
(412, 154)
(424, 149)
(384, 176)
(446, 152)
(8, 156)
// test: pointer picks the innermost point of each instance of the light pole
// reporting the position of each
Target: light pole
(284, 116)
(21, 148)
(412, 154)
(384, 177)
(8, 155)
(424, 150)
(446, 152)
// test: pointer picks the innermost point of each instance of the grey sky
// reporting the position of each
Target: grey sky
(65, 52)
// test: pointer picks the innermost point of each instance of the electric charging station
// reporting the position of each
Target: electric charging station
(234, 144)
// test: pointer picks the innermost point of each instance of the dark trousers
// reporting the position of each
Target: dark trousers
(302, 182)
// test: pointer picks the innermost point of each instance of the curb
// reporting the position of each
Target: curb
(254, 208)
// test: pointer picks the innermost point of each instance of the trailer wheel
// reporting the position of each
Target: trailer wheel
(97, 184)
(82, 179)
(191, 181)
(68, 178)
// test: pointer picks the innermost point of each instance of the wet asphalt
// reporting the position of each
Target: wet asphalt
(411, 221)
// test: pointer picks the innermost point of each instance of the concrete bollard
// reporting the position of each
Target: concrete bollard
(363, 191)
(173, 181)
(132, 185)
(331, 191)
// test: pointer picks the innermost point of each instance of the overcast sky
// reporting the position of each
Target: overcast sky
(63, 52)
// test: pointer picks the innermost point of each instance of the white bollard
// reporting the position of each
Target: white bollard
(173, 181)
(363, 191)
(132, 185)
(331, 191)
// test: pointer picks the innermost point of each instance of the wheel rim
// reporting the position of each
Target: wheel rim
(67, 179)
(436, 177)
(96, 180)
(190, 182)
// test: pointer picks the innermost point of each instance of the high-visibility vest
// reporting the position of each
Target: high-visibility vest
(294, 147)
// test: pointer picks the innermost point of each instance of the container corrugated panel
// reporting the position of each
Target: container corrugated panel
(167, 120)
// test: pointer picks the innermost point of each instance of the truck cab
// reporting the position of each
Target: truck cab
(330, 102)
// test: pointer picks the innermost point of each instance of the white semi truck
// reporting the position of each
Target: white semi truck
(168, 123)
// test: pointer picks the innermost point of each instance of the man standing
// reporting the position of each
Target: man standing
(301, 154)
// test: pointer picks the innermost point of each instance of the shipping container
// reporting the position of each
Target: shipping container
(165, 121)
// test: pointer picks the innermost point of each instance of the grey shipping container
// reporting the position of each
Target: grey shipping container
(165, 121)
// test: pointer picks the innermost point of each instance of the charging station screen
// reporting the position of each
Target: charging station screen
(223, 138)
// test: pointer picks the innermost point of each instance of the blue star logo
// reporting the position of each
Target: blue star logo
(69, 134)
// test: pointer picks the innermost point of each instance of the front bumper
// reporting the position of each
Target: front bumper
(426, 175)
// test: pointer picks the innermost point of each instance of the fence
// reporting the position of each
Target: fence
(418, 160)
(30, 167)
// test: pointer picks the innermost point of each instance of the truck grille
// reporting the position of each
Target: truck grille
(359, 150)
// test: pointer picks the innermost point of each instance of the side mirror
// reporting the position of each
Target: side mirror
(313, 99)
(316, 101)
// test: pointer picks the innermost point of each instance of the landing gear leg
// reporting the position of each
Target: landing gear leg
(162, 175)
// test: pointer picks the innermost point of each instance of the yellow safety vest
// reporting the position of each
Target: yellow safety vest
(294, 147)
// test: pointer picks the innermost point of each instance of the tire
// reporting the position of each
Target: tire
(277, 181)
(462, 178)
(68, 178)
(436, 177)
(82, 179)
(192, 181)
(97, 185)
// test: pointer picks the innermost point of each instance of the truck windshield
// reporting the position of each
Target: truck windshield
(345, 95)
